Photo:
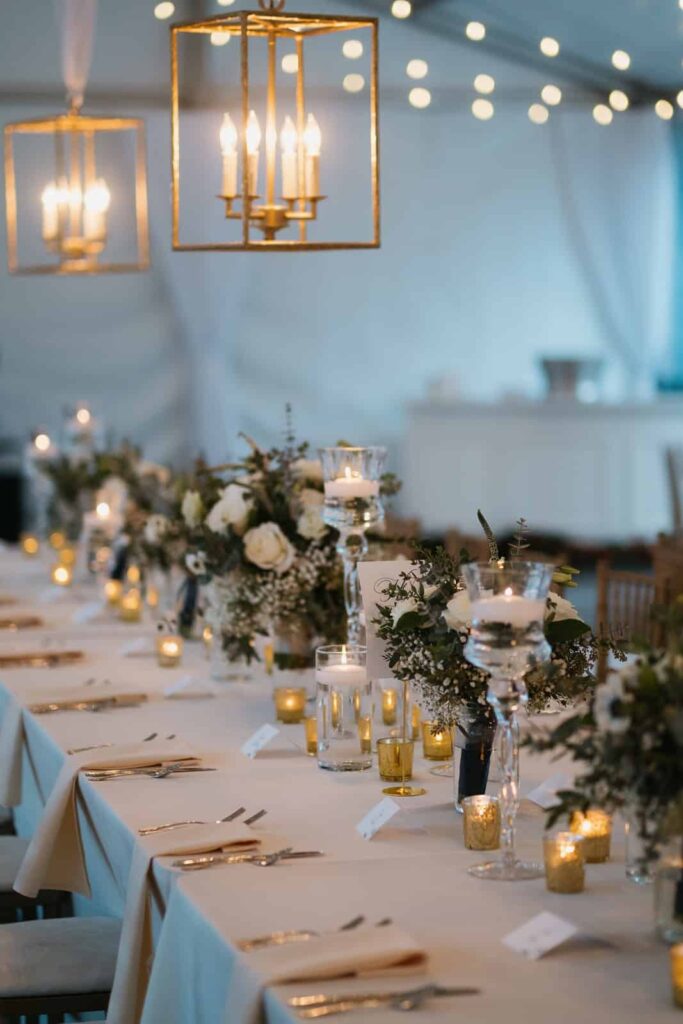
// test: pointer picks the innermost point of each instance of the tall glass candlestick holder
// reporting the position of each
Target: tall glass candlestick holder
(506, 640)
(353, 505)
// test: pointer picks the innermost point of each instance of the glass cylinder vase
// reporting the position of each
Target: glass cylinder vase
(343, 706)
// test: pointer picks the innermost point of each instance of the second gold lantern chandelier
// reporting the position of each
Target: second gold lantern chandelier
(269, 177)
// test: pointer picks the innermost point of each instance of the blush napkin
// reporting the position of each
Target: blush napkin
(133, 964)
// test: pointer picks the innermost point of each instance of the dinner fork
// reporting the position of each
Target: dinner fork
(293, 935)
(191, 821)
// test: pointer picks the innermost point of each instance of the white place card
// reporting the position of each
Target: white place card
(143, 646)
(545, 795)
(188, 688)
(259, 740)
(538, 936)
(377, 816)
(373, 577)
(88, 612)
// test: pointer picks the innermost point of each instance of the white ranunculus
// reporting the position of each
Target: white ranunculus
(402, 608)
(192, 508)
(231, 509)
(268, 548)
(458, 612)
(308, 469)
(310, 524)
(310, 497)
(196, 562)
(560, 609)
(156, 528)
(609, 700)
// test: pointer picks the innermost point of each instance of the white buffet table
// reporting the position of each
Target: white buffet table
(595, 471)
(414, 870)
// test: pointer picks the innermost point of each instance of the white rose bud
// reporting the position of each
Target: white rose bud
(310, 524)
(192, 509)
(268, 548)
(232, 509)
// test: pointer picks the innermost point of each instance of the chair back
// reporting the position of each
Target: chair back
(667, 560)
(674, 473)
(625, 604)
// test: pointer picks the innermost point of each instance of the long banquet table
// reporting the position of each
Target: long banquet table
(414, 870)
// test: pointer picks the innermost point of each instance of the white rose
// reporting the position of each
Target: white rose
(232, 509)
(310, 524)
(310, 498)
(192, 508)
(268, 548)
(458, 612)
(156, 528)
(402, 608)
(560, 609)
(308, 469)
(196, 563)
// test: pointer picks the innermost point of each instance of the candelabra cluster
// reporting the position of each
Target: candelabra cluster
(74, 221)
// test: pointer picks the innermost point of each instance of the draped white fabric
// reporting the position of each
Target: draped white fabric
(78, 26)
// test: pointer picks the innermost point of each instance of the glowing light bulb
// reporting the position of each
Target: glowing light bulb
(508, 592)
(401, 8)
(253, 134)
(549, 47)
(664, 109)
(483, 110)
(103, 510)
(164, 10)
(538, 114)
(419, 98)
(288, 136)
(484, 84)
(475, 31)
(602, 114)
(417, 68)
(50, 196)
(83, 415)
(228, 136)
(219, 38)
(353, 83)
(353, 49)
(97, 197)
(551, 94)
(290, 63)
(312, 137)
(42, 442)
(621, 60)
(618, 100)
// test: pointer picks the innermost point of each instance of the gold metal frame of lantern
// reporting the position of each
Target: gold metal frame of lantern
(300, 206)
(75, 229)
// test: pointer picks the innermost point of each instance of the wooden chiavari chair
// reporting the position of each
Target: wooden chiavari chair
(667, 560)
(625, 603)
(674, 472)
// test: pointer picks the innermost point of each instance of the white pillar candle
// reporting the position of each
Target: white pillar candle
(288, 144)
(253, 140)
(312, 146)
(342, 675)
(50, 201)
(228, 140)
(350, 486)
(511, 609)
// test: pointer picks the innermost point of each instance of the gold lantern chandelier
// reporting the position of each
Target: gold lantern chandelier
(268, 171)
(69, 212)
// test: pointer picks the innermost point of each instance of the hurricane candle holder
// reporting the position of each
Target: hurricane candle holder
(564, 862)
(596, 828)
(343, 700)
(290, 704)
(506, 639)
(353, 504)
(437, 745)
(169, 651)
(395, 759)
(481, 822)
(311, 732)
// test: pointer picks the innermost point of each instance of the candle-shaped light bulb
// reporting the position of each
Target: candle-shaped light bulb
(253, 140)
(288, 145)
(50, 201)
(96, 203)
(312, 144)
(228, 141)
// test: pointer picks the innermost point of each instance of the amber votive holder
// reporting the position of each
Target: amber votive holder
(169, 651)
(481, 822)
(595, 826)
(564, 862)
(62, 575)
(113, 589)
(365, 733)
(130, 606)
(67, 555)
(29, 544)
(676, 954)
(311, 730)
(395, 758)
(57, 539)
(290, 704)
(436, 746)
(389, 706)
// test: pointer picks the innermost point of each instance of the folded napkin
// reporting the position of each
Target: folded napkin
(133, 964)
(86, 696)
(11, 744)
(55, 859)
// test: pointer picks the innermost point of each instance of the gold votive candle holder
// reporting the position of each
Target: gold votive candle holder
(57, 539)
(207, 640)
(389, 706)
(676, 954)
(269, 657)
(311, 730)
(481, 822)
(67, 555)
(133, 574)
(395, 758)
(113, 589)
(62, 575)
(564, 862)
(169, 651)
(365, 733)
(416, 722)
(436, 746)
(29, 544)
(290, 703)
(130, 606)
(151, 596)
(595, 826)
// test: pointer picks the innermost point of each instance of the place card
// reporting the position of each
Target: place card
(143, 646)
(188, 688)
(88, 612)
(377, 816)
(538, 936)
(545, 795)
(259, 740)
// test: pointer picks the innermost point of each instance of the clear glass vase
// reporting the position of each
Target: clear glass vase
(343, 708)
(223, 667)
(638, 867)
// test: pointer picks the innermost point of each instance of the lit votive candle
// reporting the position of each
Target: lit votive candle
(365, 733)
(152, 596)
(596, 828)
(57, 539)
(29, 543)
(481, 822)
(290, 703)
(395, 758)
(676, 953)
(169, 651)
(389, 704)
(436, 746)
(564, 862)
(133, 574)
(67, 555)
(62, 575)
(311, 729)
(130, 606)
(112, 592)
(207, 640)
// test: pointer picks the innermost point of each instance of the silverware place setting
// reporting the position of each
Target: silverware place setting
(300, 935)
(155, 771)
(151, 829)
(103, 746)
(314, 1006)
(259, 860)
(94, 704)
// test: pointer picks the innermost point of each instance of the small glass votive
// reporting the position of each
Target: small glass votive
(676, 954)
(436, 746)
(389, 705)
(311, 730)
(67, 555)
(207, 640)
(113, 590)
(290, 704)
(62, 575)
(395, 758)
(343, 700)
(564, 862)
(57, 539)
(29, 544)
(596, 828)
(130, 606)
(365, 733)
(416, 722)
(169, 650)
(481, 822)
(133, 574)
(151, 596)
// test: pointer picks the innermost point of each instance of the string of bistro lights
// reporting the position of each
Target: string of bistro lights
(482, 106)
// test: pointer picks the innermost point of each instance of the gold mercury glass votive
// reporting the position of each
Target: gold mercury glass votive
(395, 758)
(57, 539)
(62, 575)
(311, 729)
(481, 822)
(112, 592)
(67, 555)
(564, 862)
(365, 733)
(151, 596)
(169, 651)
(596, 828)
(290, 703)
(133, 574)
(130, 606)
(436, 746)
(389, 704)
(676, 953)
(29, 543)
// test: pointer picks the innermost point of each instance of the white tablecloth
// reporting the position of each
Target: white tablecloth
(414, 870)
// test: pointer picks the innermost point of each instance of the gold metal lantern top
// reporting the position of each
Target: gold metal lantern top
(272, 168)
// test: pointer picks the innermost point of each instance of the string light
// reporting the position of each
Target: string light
(549, 47)
(401, 8)
(551, 94)
(417, 68)
(618, 100)
(353, 49)
(354, 83)
(484, 84)
(475, 31)
(621, 60)
(164, 10)
(602, 114)
(419, 98)
(538, 113)
(664, 109)
(290, 63)
(219, 38)
(483, 110)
